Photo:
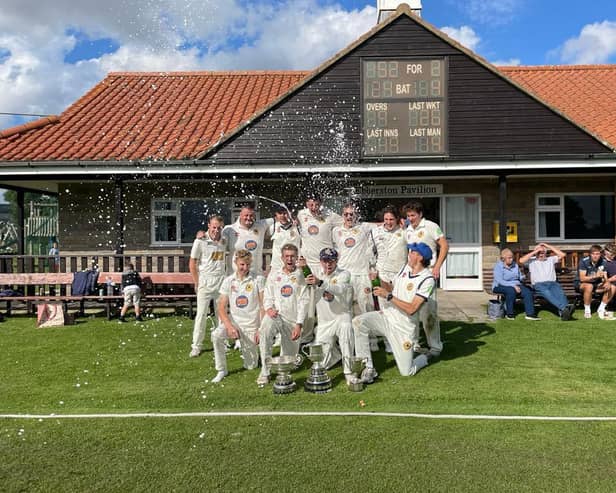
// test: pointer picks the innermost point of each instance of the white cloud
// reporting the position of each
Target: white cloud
(512, 62)
(159, 35)
(595, 44)
(464, 35)
(493, 11)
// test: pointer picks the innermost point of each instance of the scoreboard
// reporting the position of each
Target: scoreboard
(404, 107)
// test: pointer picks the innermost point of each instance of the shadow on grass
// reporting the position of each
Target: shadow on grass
(461, 339)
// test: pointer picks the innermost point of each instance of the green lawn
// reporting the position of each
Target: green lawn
(516, 367)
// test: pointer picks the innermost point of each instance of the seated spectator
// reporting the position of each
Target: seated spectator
(609, 253)
(543, 277)
(590, 278)
(508, 282)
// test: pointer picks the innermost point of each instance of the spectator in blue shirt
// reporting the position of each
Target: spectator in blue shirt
(508, 282)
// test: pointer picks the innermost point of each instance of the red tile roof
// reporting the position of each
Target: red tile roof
(139, 116)
(178, 115)
(584, 93)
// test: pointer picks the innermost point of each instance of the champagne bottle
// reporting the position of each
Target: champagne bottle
(306, 270)
(376, 283)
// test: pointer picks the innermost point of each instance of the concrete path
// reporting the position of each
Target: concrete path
(464, 306)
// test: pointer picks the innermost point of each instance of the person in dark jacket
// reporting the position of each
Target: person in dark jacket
(131, 288)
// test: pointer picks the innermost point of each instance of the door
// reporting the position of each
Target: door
(462, 226)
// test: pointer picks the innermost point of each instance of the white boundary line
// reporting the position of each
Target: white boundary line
(307, 413)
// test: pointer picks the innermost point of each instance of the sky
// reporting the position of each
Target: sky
(53, 51)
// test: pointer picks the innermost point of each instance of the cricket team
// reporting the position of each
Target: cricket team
(333, 281)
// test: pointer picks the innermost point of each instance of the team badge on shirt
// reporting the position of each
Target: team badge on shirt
(349, 242)
(293, 279)
(250, 245)
(420, 234)
(313, 230)
(366, 290)
(410, 286)
(248, 288)
(406, 345)
(286, 291)
(241, 301)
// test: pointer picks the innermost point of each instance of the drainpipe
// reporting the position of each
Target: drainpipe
(502, 219)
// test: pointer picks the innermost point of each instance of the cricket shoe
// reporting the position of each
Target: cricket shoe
(605, 315)
(369, 375)
(262, 380)
(219, 376)
(194, 353)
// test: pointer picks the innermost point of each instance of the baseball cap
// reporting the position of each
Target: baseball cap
(422, 249)
(328, 254)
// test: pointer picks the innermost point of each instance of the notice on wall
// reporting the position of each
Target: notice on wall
(404, 107)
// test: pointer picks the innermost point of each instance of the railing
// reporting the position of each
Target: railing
(104, 262)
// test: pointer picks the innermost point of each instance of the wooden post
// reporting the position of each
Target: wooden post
(119, 216)
(21, 243)
(502, 217)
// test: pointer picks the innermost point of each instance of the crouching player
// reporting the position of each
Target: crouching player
(286, 304)
(411, 292)
(334, 294)
(240, 308)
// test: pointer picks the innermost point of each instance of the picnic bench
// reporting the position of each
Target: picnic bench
(33, 288)
(156, 287)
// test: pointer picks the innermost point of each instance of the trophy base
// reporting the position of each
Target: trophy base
(318, 387)
(356, 386)
(284, 387)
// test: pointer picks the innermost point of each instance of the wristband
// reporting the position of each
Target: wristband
(390, 297)
(320, 283)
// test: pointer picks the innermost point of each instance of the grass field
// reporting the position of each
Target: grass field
(547, 368)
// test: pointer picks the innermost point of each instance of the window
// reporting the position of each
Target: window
(586, 217)
(175, 221)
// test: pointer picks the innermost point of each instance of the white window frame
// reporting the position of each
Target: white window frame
(177, 213)
(561, 210)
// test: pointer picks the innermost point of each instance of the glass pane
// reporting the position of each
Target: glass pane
(164, 205)
(549, 224)
(549, 201)
(589, 217)
(195, 214)
(165, 228)
(462, 221)
(463, 265)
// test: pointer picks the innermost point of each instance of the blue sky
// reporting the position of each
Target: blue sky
(52, 52)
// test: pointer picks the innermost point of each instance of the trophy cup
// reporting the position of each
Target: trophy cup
(318, 381)
(283, 365)
(357, 365)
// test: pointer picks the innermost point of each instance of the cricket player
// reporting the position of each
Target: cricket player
(334, 293)
(282, 232)
(316, 225)
(207, 267)
(247, 234)
(240, 308)
(390, 241)
(354, 243)
(285, 303)
(411, 293)
(421, 230)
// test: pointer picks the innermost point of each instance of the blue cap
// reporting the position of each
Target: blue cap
(328, 254)
(422, 249)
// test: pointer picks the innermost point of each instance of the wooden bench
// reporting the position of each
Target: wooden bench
(156, 287)
(564, 275)
(37, 287)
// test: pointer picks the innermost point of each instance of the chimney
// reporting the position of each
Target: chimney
(388, 7)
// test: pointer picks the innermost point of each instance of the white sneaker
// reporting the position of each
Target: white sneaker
(238, 345)
(605, 315)
(219, 376)
(588, 315)
(194, 353)
(263, 380)
(368, 375)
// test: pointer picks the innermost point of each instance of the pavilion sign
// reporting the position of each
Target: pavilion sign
(386, 191)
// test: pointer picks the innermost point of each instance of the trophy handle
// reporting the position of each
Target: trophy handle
(303, 350)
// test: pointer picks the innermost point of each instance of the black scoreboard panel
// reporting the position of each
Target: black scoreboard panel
(404, 107)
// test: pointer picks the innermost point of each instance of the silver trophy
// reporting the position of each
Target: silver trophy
(318, 380)
(357, 366)
(283, 365)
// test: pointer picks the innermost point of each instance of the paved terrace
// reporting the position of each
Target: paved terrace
(464, 306)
